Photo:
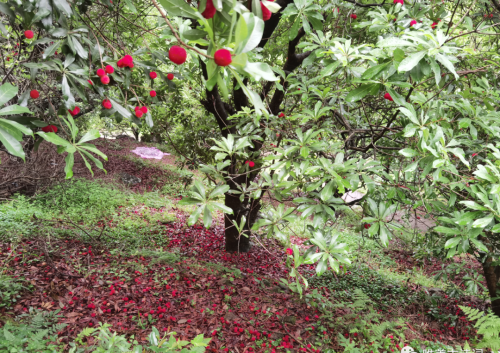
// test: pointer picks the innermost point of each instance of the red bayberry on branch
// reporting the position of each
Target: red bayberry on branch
(474, 154)
(34, 94)
(107, 104)
(222, 57)
(109, 69)
(177, 55)
(251, 164)
(105, 80)
(170, 76)
(354, 16)
(144, 109)
(412, 23)
(209, 11)
(367, 226)
(139, 113)
(399, 2)
(388, 97)
(126, 61)
(289, 251)
(152, 93)
(433, 25)
(266, 13)
(281, 115)
(101, 72)
(49, 128)
(90, 82)
(153, 75)
(29, 34)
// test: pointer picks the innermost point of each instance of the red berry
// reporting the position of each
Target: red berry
(29, 34)
(105, 80)
(153, 75)
(251, 164)
(354, 16)
(170, 76)
(177, 55)
(210, 10)
(388, 97)
(222, 57)
(34, 94)
(49, 128)
(399, 2)
(74, 111)
(412, 23)
(139, 113)
(90, 82)
(281, 115)
(110, 69)
(101, 72)
(152, 93)
(107, 104)
(433, 25)
(266, 14)
(144, 109)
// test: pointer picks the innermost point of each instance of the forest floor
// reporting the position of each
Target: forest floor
(105, 253)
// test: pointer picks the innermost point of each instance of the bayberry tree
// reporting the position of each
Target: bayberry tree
(312, 99)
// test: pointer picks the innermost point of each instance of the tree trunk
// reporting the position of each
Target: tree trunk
(492, 276)
(236, 242)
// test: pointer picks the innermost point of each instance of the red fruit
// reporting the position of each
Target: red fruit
(388, 97)
(210, 9)
(266, 14)
(170, 76)
(366, 226)
(29, 34)
(110, 69)
(222, 57)
(354, 16)
(105, 80)
(90, 82)
(412, 23)
(120, 63)
(34, 94)
(177, 55)
(101, 72)
(107, 104)
(251, 164)
(474, 154)
(144, 110)
(281, 115)
(153, 75)
(139, 113)
(75, 111)
(152, 93)
(399, 2)
(433, 25)
(49, 128)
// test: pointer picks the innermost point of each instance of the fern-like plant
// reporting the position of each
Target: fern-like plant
(488, 325)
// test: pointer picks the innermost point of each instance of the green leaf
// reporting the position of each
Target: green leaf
(408, 152)
(70, 161)
(11, 144)
(451, 231)
(482, 222)
(411, 61)
(7, 92)
(121, 110)
(358, 93)
(219, 190)
(63, 6)
(452, 242)
(374, 71)
(51, 50)
(295, 28)
(15, 125)
(179, 8)
(89, 136)
(249, 30)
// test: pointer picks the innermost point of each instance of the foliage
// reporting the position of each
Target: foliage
(35, 332)
(10, 289)
(107, 342)
(488, 325)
